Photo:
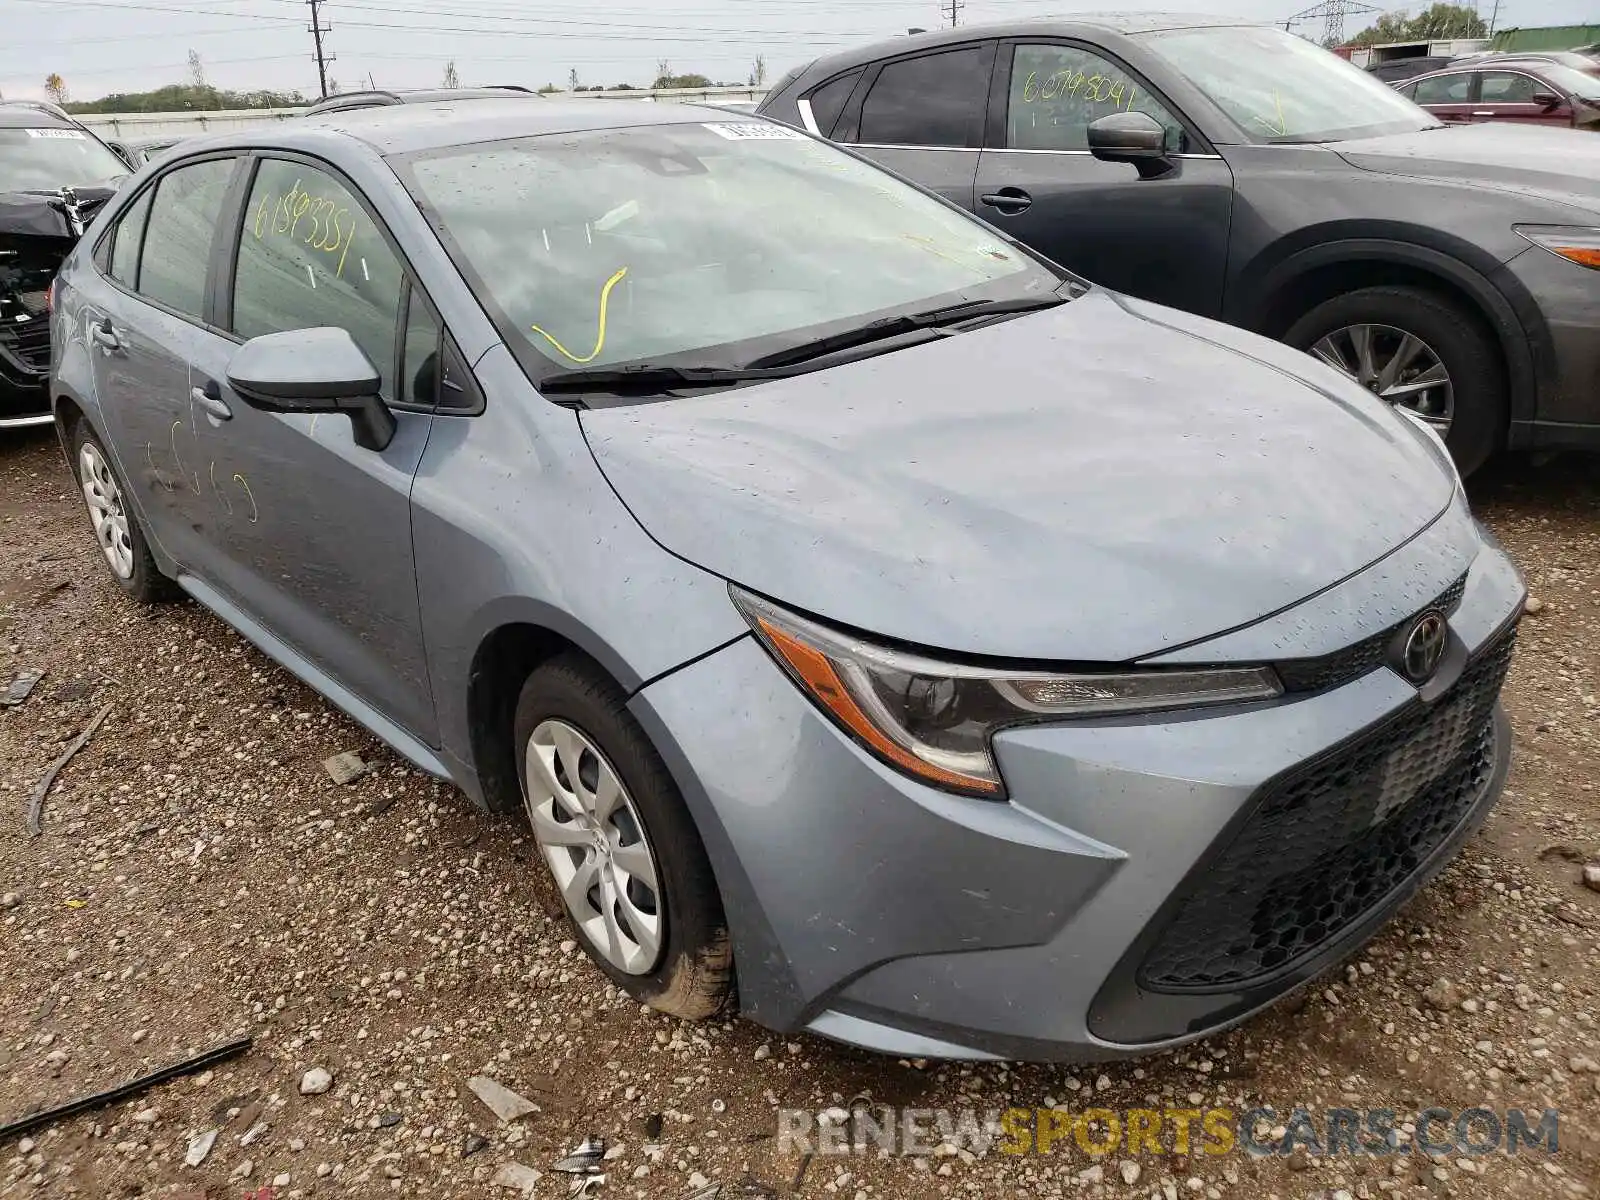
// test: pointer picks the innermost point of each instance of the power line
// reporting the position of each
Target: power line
(317, 30)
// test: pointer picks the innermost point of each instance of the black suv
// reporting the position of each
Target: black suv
(1240, 172)
(56, 175)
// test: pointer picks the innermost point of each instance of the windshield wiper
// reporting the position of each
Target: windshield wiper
(888, 327)
(652, 377)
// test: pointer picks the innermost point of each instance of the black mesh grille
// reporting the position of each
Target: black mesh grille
(1328, 844)
(28, 341)
(1314, 674)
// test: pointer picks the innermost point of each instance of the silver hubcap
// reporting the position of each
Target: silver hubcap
(1394, 365)
(110, 519)
(596, 845)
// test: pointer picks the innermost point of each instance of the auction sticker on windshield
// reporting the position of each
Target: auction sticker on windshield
(75, 135)
(749, 131)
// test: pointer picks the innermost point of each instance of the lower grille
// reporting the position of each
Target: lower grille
(1326, 845)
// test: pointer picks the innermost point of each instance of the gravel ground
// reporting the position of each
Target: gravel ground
(200, 877)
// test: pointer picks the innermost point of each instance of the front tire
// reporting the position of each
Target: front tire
(1418, 349)
(116, 528)
(619, 843)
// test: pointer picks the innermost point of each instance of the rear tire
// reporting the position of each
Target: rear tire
(617, 839)
(122, 543)
(1478, 390)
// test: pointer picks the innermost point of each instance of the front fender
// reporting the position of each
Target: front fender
(1256, 296)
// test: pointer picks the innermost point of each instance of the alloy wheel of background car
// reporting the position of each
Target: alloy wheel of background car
(1469, 406)
(595, 844)
(619, 841)
(104, 498)
(1395, 366)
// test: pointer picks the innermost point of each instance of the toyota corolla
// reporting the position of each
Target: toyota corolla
(965, 660)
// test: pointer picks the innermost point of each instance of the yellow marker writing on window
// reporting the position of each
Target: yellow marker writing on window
(600, 336)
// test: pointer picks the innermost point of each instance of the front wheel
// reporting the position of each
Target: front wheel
(1421, 350)
(620, 845)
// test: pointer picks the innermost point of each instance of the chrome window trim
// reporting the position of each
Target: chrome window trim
(997, 150)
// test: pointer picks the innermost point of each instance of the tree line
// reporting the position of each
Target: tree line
(1438, 22)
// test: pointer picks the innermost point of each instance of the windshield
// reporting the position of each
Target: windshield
(1575, 83)
(1281, 88)
(708, 244)
(46, 160)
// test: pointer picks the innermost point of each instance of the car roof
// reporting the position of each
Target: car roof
(406, 128)
(381, 97)
(1074, 25)
(33, 114)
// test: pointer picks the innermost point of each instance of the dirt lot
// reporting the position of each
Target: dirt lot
(200, 877)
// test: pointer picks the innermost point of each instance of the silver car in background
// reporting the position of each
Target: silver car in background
(967, 661)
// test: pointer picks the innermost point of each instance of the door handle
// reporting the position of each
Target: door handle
(212, 402)
(1483, 114)
(105, 336)
(1008, 200)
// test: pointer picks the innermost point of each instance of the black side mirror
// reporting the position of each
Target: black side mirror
(314, 371)
(1546, 100)
(1132, 137)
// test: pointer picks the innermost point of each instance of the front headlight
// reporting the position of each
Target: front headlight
(934, 720)
(1575, 243)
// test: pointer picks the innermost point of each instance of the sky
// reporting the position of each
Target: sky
(103, 46)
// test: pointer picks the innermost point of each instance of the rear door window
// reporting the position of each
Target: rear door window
(175, 259)
(828, 101)
(1444, 89)
(933, 100)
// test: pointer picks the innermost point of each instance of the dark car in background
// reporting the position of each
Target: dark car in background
(1455, 271)
(1526, 91)
(1395, 70)
(54, 176)
(136, 151)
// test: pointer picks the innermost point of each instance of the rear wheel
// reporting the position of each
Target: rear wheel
(116, 528)
(1420, 350)
(619, 843)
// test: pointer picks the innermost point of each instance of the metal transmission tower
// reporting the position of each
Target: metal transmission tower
(951, 9)
(323, 59)
(1333, 13)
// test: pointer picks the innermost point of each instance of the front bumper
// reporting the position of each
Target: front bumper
(874, 910)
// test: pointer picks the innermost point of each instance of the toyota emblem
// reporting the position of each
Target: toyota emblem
(1424, 647)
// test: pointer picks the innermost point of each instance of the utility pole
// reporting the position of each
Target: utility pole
(951, 9)
(1494, 16)
(317, 30)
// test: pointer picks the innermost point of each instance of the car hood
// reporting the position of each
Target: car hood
(1535, 160)
(1098, 482)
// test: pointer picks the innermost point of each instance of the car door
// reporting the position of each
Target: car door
(310, 533)
(1509, 96)
(923, 115)
(1447, 96)
(147, 315)
(1162, 237)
